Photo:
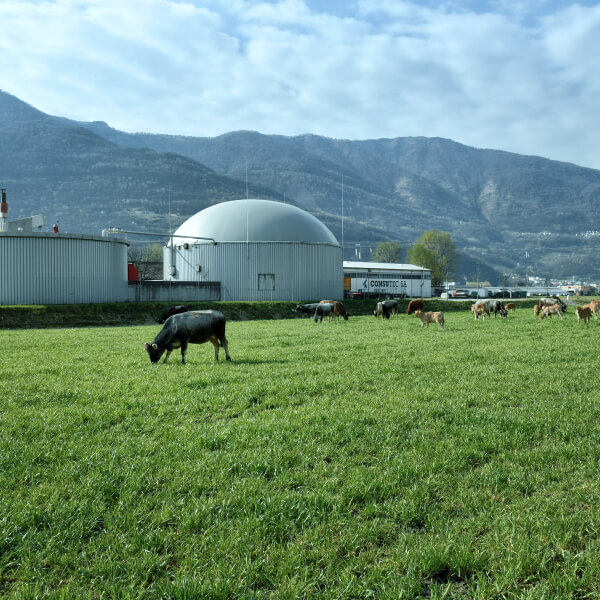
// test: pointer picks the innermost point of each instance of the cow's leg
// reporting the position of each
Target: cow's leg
(225, 346)
(215, 342)
(183, 351)
(167, 356)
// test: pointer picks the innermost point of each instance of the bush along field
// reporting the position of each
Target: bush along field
(349, 459)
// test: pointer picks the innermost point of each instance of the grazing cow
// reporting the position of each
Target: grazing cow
(308, 309)
(548, 311)
(323, 310)
(498, 307)
(430, 317)
(551, 301)
(536, 310)
(482, 307)
(392, 306)
(510, 306)
(594, 306)
(172, 310)
(479, 310)
(415, 305)
(489, 306)
(338, 309)
(381, 310)
(583, 313)
(193, 327)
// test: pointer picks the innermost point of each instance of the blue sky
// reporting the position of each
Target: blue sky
(521, 76)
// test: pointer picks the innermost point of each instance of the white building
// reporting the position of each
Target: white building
(257, 250)
(374, 279)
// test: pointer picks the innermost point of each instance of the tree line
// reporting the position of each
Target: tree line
(434, 250)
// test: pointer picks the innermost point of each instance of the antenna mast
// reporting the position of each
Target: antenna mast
(342, 217)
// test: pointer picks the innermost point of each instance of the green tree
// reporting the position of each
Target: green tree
(148, 258)
(387, 252)
(435, 250)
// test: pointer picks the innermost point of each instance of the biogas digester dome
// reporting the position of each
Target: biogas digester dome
(257, 250)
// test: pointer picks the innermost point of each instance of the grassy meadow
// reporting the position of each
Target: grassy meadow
(358, 459)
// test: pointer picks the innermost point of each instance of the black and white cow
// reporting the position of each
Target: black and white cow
(392, 306)
(498, 307)
(323, 310)
(307, 309)
(172, 310)
(193, 327)
(381, 310)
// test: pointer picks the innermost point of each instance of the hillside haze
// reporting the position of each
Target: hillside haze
(506, 212)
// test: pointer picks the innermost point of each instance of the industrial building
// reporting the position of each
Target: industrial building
(242, 250)
(58, 268)
(49, 268)
(386, 280)
(257, 250)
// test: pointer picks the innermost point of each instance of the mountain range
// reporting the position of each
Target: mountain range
(508, 214)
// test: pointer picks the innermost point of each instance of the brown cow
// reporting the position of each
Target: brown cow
(338, 309)
(548, 311)
(583, 313)
(536, 310)
(551, 301)
(510, 306)
(479, 310)
(430, 317)
(594, 306)
(415, 305)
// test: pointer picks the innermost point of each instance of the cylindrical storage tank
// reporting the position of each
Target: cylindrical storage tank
(257, 250)
(46, 268)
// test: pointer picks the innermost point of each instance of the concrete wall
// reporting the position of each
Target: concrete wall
(174, 291)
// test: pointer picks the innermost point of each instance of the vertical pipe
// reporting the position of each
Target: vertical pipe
(3, 212)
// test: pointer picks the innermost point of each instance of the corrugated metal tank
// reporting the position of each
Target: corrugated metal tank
(48, 268)
(299, 271)
(258, 250)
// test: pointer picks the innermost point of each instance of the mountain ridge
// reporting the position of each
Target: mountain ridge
(506, 212)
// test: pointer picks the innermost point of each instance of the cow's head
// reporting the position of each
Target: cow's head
(154, 351)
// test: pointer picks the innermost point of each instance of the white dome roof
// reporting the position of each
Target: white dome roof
(256, 221)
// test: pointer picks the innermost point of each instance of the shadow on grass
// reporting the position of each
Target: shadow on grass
(257, 361)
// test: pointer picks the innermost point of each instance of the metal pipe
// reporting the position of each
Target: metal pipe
(110, 230)
(3, 212)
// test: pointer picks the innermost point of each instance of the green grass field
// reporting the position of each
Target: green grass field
(358, 459)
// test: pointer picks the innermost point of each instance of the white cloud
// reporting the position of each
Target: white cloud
(497, 75)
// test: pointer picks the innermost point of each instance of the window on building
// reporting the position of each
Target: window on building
(266, 282)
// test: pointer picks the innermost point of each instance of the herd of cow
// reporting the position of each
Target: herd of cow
(182, 326)
(384, 309)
